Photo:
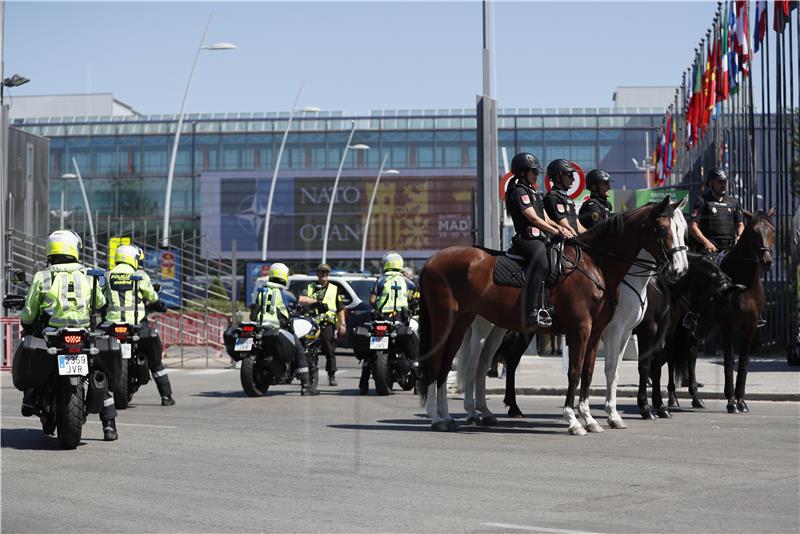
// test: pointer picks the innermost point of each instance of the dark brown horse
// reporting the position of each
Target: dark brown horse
(456, 285)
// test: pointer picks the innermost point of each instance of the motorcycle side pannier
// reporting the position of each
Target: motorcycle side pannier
(110, 359)
(360, 338)
(278, 343)
(409, 341)
(31, 365)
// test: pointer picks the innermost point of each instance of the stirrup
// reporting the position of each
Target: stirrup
(690, 321)
(761, 323)
(540, 318)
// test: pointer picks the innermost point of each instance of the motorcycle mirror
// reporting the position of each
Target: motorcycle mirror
(136, 278)
(14, 302)
(18, 276)
(97, 273)
(157, 287)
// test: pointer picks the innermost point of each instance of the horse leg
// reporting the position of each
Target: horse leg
(615, 341)
(512, 361)
(727, 350)
(577, 348)
(697, 402)
(490, 347)
(671, 394)
(741, 373)
(467, 358)
(431, 406)
(454, 340)
(586, 381)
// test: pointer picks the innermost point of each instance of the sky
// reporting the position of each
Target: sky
(351, 56)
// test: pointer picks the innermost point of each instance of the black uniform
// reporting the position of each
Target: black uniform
(558, 206)
(595, 210)
(528, 241)
(717, 219)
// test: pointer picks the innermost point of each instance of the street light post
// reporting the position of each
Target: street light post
(86, 206)
(171, 171)
(335, 186)
(277, 167)
(371, 203)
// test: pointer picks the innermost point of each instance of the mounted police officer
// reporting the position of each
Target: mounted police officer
(61, 296)
(557, 203)
(274, 306)
(525, 206)
(332, 320)
(389, 297)
(597, 208)
(126, 307)
(716, 221)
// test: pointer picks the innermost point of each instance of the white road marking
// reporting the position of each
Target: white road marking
(210, 371)
(31, 420)
(526, 528)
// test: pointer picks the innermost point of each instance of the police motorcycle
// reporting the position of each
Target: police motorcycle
(390, 347)
(135, 370)
(70, 370)
(267, 354)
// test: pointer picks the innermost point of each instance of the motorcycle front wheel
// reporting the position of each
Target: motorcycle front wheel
(254, 377)
(69, 415)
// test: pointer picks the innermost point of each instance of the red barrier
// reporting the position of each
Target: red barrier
(11, 332)
(192, 328)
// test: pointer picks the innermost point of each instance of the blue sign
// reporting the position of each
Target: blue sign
(253, 271)
(166, 266)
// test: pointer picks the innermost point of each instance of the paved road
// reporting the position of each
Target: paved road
(219, 462)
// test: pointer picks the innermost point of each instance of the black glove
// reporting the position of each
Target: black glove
(322, 307)
(157, 306)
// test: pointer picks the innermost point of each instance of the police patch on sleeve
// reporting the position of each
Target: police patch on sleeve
(595, 216)
(560, 208)
(525, 199)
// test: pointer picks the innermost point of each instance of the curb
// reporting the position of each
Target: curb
(631, 393)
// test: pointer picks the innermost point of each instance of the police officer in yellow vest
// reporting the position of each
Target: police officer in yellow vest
(125, 307)
(273, 306)
(391, 291)
(332, 320)
(61, 296)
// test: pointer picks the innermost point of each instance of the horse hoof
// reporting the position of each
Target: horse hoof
(453, 426)
(617, 424)
(577, 431)
(489, 420)
(441, 426)
(663, 413)
(647, 414)
(594, 428)
(742, 406)
(514, 411)
(732, 408)
(673, 402)
(697, 402)
(474, 420)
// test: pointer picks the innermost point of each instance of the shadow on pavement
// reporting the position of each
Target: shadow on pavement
(223, 394)
(29, 439)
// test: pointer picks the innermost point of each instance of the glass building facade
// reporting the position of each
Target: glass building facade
(225, 162)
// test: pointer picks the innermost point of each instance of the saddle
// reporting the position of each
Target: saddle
(511, 269)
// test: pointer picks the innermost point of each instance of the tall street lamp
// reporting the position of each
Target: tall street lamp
(86, 206)
(371, 203)
(336, 186)
(171, 172)
(307, 109)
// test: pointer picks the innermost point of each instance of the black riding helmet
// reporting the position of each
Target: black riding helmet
(524, 161)
(715, 173)
(596, 176)
(558, 167)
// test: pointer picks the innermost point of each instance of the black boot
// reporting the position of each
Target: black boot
(363, 383)
(306, 387)
(332, 379)
(167, 401)
(29, 403)
(537, 316)
(109, 430)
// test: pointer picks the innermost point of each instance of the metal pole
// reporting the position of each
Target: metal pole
(171, 171)
(333, 194)
(88, 211)
(233, 283)
(275, 176)
(369, 211)
(61, 212)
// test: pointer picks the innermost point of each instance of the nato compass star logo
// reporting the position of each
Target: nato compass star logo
(250, 214)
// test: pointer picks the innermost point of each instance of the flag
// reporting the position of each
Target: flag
(723, 83)
(781, 15)
(669, 135)
(695, 104)
(733, 61)
(713, 66)
(704, 111)
(742, 30)
(689, 103)
(761, 24)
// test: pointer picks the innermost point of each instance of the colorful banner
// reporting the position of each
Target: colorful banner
(253, 271)
(643, 196)
(166, 266)
(113, 244)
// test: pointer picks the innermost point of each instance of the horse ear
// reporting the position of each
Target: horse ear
(661, 206)
(771, 212)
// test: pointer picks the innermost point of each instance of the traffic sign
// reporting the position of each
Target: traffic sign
(577, 186)
(504, 184)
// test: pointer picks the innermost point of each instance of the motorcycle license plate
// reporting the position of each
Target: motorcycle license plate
(126, 351)
(243, 344)
(378, 343)
(73, 365)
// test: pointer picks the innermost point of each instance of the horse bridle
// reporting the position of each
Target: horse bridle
(666, 254)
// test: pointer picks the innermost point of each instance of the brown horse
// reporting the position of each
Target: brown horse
(745, 264)
(456, 285)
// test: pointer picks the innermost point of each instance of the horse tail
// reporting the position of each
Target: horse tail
(425, 361)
